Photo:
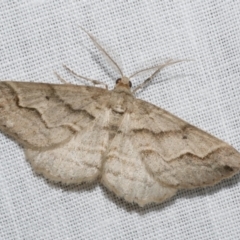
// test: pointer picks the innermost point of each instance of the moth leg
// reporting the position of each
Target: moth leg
(142, 85)
(94, 82)
(60, 78)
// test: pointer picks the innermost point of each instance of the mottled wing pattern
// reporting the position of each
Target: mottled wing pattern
(155, 153)
(140, 152)
(178, 154)
(126, 174)
(60, 126)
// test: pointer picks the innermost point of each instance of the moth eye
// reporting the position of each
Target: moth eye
(130, 84)
(118, 80)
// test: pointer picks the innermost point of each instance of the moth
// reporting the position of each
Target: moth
(144, 154)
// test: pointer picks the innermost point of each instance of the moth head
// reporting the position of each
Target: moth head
(123, 82)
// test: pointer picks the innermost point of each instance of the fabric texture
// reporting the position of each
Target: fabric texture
(38, 37)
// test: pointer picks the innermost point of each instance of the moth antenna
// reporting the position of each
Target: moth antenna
(169, 62)
(102, 50)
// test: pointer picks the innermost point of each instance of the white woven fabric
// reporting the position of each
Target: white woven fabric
(37, 37)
